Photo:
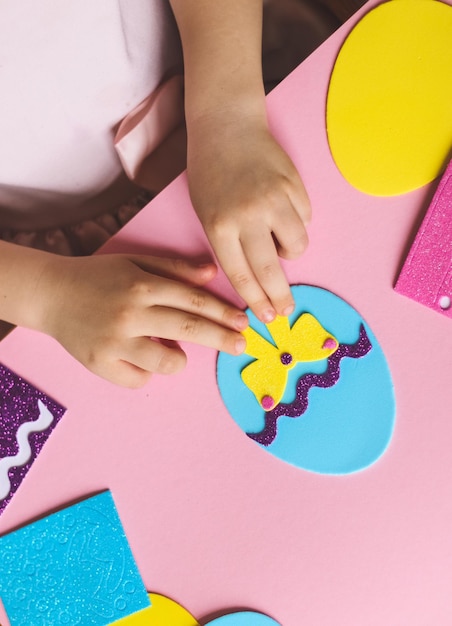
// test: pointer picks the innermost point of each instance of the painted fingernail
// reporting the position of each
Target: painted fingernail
(268, 316)
(240, 345)
(241, 321)
(208, 269)
(288, 310)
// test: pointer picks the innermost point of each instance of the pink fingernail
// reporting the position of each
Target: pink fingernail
(241, 321)
(288, 310)
(268, 316)
(240, 345)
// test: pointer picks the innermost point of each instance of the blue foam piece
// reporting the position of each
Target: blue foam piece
(244, 618)
(347, 426)
(74, 567)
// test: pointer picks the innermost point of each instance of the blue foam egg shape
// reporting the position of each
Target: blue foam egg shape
(244, 618)
(348, 420)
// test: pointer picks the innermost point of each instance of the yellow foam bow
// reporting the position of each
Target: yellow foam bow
(266, 377)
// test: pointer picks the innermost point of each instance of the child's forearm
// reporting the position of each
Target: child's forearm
(22, 278)
(222, 55)
(244, 188)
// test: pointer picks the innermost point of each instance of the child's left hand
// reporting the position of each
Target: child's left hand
(253, 207)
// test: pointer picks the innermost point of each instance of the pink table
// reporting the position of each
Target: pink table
(213, 520)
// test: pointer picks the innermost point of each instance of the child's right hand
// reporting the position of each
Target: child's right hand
(105, 309)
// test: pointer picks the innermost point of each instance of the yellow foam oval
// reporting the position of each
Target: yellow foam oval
(389, 105)
(162, 612)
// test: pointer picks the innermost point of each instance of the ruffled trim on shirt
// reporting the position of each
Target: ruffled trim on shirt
(81, 239)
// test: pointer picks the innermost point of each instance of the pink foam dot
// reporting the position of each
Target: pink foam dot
(267, 403)
(329, 344)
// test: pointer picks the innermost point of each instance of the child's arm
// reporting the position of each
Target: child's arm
(245, 189)
(104, 309)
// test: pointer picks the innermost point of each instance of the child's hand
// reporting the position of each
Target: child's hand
(105, 309)
(253, 206)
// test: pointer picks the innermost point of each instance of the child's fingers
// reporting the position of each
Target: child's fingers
(123, 373)
(178, 296)
(154, 357)
(262, 256)
(235, 264)
(176, 268)
(169, 323)
(300, 200)
(291, 236)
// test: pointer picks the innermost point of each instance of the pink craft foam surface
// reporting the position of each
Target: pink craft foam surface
(214, 521)
(426, 276)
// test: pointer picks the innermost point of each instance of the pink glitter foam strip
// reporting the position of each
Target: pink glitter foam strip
(426, 276)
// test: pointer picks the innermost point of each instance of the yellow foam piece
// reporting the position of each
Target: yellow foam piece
(389, 106)
(267, 376)
(163, 612)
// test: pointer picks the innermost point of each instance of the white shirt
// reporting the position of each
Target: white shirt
(70, 71)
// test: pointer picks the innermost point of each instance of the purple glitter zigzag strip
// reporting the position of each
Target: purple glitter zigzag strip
(329, 378)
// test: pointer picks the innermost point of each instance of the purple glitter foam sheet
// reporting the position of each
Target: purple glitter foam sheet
(27, 418)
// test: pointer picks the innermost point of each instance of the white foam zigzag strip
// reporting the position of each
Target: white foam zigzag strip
(24, 452)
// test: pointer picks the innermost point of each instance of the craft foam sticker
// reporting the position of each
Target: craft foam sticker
(426, 276)
(27, 418)
(166, 612)
(388, 114)
(162, 612)
(313, 389)
(74, 567)
(244, 618)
